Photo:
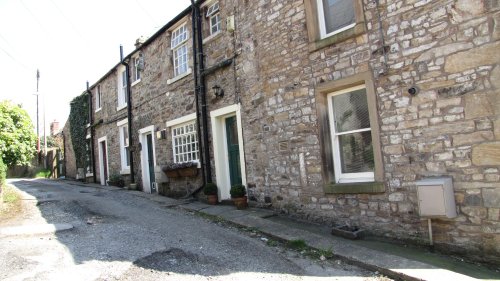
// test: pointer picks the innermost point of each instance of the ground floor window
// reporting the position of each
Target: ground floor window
(124, 145)
(351, 135)
(185, 142)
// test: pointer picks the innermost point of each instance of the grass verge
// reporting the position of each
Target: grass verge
(42, 173)
(11, 202)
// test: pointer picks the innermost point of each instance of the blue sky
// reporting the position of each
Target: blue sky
(71, 42)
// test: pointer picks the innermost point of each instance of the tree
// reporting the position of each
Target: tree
(17, 137)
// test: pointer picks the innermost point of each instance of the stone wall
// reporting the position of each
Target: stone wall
(280, 75)
(69, 153)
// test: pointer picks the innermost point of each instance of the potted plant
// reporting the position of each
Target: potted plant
(185, 169)
(238, 195)
(210, 190)
(116, 180)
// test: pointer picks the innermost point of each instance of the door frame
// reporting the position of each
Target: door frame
(146, 187)
(217, 118)
(101, 160)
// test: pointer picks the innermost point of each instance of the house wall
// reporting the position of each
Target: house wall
(281, 75)
(69, 153)
(446, 48)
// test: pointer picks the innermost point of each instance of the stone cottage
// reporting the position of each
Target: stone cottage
(333, 111)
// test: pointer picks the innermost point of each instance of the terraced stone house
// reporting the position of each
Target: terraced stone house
(380, 114)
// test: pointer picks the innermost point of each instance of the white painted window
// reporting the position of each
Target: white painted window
(122, 88)
(88, 156)
(179, 50)
(214, 18)
(351, 135)
(98, 98)
(335, 16)
(124, 145)
(185, 142)
(137, 69)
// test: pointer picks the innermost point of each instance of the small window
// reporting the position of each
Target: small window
(335, 16)
(179, 50)
(124, 147)
(122, 88)
(98, 98)
(214, 18)
(185, 142)
(137, 69)
(351, 135)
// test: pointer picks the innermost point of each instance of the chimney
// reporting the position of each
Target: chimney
(140, 41)
(54, 127)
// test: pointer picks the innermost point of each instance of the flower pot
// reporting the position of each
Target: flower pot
(212, 199)
(188, 172)
(240, 202)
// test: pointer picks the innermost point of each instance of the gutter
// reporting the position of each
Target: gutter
(91, 120)
(129, 115)
(200, 87)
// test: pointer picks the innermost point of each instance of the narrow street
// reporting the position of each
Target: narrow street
(117, 235)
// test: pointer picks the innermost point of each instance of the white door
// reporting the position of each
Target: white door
(146, 137)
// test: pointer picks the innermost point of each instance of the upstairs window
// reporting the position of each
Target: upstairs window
(98, 98)
(179, 50)
(137, 69)
(122, 88)
(214, 18)
(335, 16)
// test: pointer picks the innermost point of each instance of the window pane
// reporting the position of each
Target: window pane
(351, 111)
(338, 14)
(356, 152)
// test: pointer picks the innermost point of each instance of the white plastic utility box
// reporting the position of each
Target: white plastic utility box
(436, 198)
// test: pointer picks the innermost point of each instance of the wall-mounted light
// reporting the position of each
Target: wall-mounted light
(218, 91)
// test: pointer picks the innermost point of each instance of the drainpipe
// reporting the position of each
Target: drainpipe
(196, 95)
(91, 120)
(198, 54)
(129, 115)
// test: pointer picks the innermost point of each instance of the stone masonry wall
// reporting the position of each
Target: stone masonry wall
(449, 49)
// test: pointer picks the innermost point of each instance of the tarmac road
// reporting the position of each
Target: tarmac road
(116, 235)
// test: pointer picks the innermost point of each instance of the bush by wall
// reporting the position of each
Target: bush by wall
(78, 120)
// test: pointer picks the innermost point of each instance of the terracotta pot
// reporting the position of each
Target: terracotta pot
(212, 199)
(240, 202)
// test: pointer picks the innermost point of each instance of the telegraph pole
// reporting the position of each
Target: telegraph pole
(37, 119)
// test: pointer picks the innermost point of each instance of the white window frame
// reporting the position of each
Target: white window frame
(98, 98)
(122, 88)
(339, 176)
(136, 74)
(213, 12)
(183, 122)
(322, 23)
(88, 164)
(179, 39)
(125, 169)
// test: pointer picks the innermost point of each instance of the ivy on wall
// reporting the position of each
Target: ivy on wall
(78, 120)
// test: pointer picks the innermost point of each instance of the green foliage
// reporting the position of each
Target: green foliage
(116, 180)
(210, 189)
(3, 173)
(10, 195)
(78, 120)
(42, 173)
(237, 191)
(17, 137)
(298, 244)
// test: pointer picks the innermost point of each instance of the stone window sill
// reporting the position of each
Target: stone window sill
(358, 29)
(125, 171)
(121, 107)
(354, 188)
(135, 82)
(179, 77)
(212, 37)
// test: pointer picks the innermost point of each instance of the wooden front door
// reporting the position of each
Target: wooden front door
(233, 150)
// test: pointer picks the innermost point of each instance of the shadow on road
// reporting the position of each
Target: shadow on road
(115, 226)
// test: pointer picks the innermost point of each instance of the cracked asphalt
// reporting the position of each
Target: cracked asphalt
(118, 235)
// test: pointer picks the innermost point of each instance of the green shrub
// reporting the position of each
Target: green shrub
(210, 189)
(42, 173)
(116, 180)
(3, 173)
(237, 191)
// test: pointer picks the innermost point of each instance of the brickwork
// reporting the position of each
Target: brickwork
(280, 76)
